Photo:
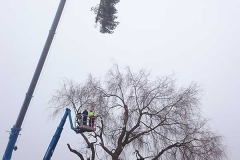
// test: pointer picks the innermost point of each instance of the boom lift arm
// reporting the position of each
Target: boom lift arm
(56, 137)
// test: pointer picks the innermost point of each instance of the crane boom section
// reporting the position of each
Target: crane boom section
(17, 127)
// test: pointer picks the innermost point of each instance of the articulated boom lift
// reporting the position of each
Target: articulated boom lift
(79, 128)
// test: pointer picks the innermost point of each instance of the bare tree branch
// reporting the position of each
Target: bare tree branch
(75, 152)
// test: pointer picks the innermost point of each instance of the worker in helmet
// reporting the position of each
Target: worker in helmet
(91, 116)
(85, 116)
(79, 118)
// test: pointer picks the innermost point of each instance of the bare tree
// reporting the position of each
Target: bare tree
(151, 119)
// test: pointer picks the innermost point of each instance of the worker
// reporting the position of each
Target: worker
(79, 118)
(85, 116)
(91, 116)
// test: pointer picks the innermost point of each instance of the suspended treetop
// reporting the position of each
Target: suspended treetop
(106, 15)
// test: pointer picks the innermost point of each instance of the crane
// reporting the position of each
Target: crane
(17, 127)
(107, 25)
(79, 128)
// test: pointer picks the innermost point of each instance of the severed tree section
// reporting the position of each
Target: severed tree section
(106, 15)
(141, 118)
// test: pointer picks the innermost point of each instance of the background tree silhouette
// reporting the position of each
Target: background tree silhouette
(141, 117)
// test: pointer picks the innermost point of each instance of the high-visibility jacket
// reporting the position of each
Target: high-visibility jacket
(91, 114)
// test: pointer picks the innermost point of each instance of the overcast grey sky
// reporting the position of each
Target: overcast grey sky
(197, 40)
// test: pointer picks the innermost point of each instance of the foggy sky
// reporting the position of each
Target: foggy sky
(196, 40)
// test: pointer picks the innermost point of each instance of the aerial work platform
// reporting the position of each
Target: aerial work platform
(79, 128)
